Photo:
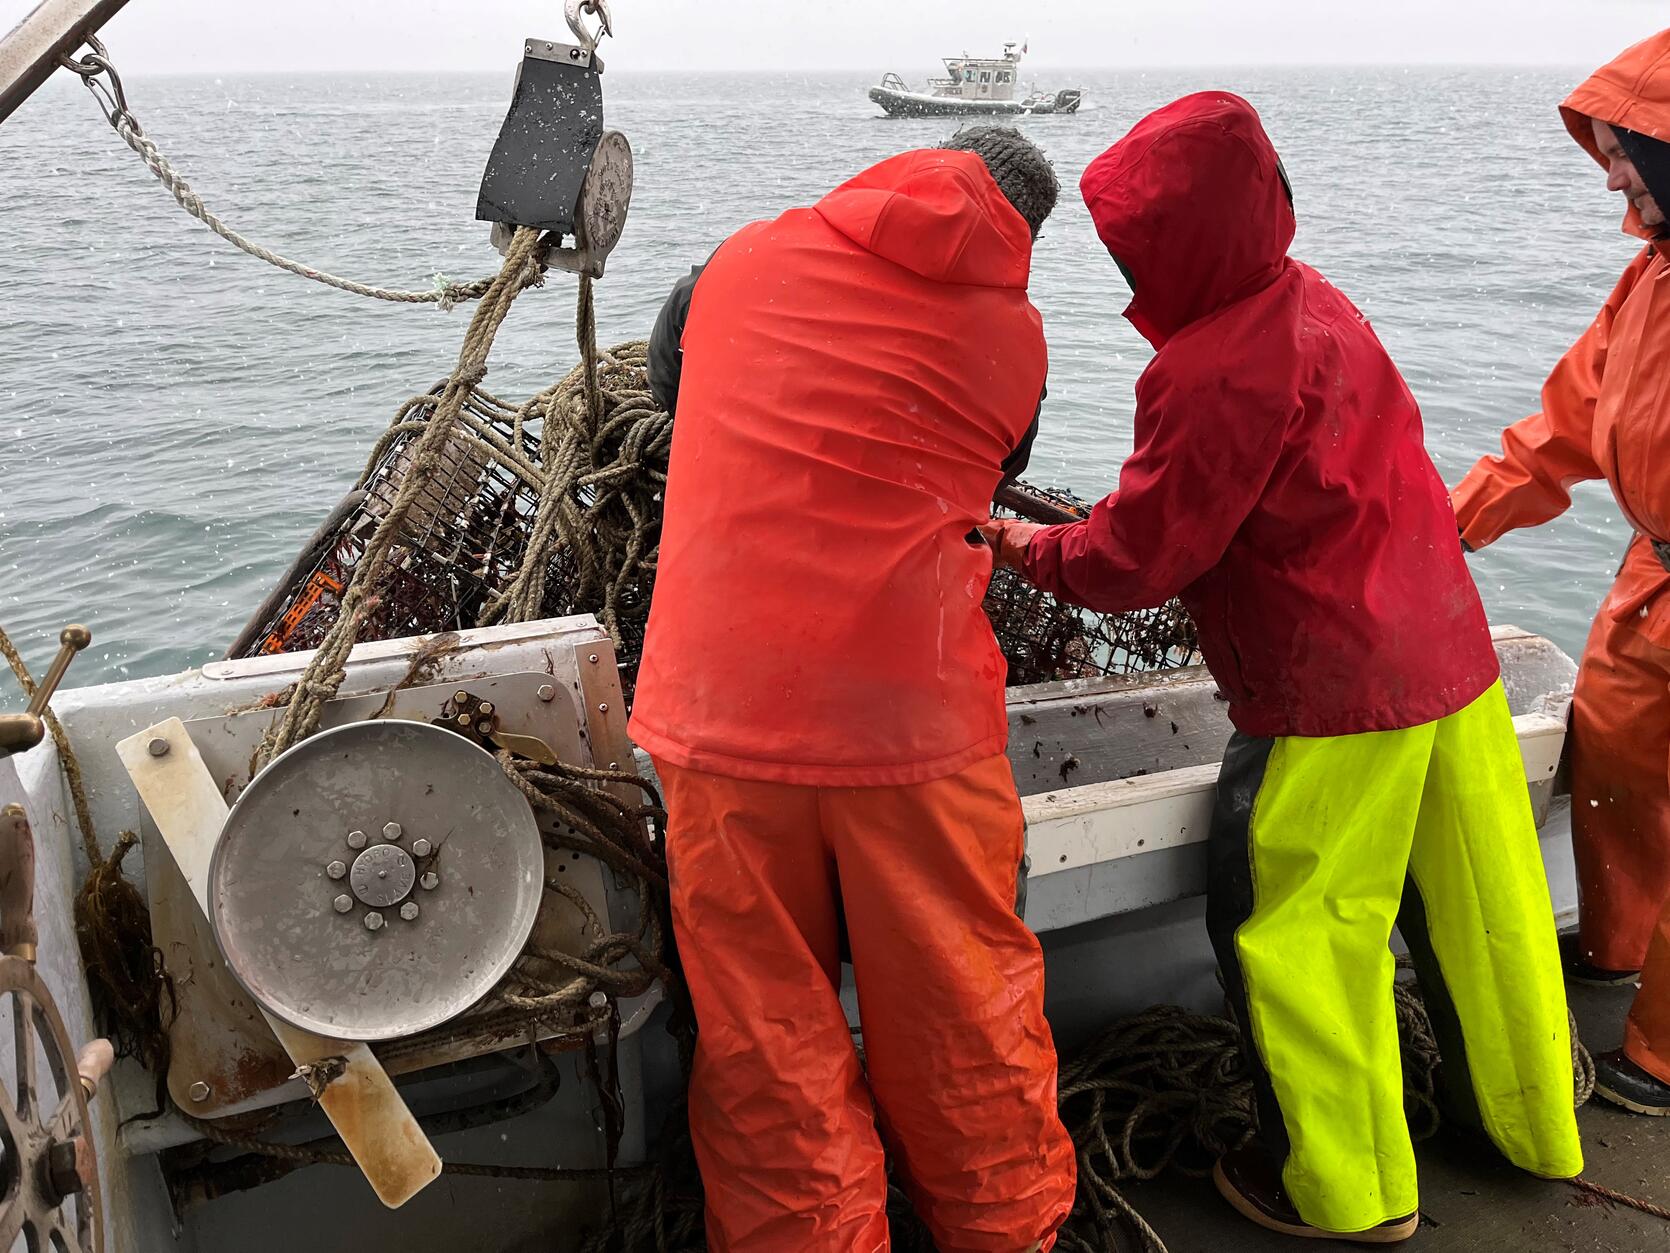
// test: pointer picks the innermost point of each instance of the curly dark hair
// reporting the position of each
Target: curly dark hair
(1021, 170)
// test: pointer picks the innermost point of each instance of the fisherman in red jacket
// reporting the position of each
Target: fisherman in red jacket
(1280, 485)
(823, 698)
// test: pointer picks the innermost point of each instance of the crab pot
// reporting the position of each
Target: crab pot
(464, 537)
(462, 541)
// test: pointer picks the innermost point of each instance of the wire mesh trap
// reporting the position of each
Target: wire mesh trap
(466, 539)
(1047, 640)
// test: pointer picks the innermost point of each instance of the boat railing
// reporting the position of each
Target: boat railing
(892, 82)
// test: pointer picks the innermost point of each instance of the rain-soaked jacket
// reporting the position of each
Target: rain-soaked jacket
(1606, 407)
(854, 376)
(1278, 482)
(1606, 414)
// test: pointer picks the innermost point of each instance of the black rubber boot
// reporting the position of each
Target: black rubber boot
(1248, 1180)
(1622, 1082)
(1579, 969)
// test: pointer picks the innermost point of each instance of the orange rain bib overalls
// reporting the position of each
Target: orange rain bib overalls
(823, 697)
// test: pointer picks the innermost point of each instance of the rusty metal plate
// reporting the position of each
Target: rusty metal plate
(408, 951)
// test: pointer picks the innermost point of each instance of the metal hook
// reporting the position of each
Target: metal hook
(111, 96)
(575, 10)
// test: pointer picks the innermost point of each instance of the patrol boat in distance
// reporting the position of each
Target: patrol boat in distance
(972, 85)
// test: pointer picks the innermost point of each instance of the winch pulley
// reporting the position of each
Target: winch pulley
(554, 167)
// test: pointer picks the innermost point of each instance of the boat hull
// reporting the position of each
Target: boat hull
(920, 104)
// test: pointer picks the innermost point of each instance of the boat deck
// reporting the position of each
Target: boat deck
(1473, 1202)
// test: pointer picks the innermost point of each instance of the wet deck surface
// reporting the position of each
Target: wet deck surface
(1472, 1201)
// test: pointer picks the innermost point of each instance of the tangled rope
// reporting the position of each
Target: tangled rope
(326, 672)
(112, 102)
(131, 991)
(604, 449)
(1169, 1089)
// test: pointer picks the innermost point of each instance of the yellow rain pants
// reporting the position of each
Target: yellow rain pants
(1318, 847)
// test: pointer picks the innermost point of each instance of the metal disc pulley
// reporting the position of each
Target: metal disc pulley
(376, 880)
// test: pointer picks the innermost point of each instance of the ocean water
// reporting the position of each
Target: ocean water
(175, 417)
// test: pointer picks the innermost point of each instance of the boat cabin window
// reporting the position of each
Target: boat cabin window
(985, 76)
(1003, 76)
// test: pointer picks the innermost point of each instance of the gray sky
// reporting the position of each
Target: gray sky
(907, 35)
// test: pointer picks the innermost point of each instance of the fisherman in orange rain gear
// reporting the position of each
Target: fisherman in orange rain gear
(1606, 414)
(823, 697)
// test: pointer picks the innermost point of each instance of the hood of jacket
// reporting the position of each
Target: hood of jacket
(937, 213)
(1633, 91)
(1193, 205)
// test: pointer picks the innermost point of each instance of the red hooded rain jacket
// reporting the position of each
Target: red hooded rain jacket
(1279, 482)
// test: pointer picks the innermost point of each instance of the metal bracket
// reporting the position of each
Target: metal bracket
(33, 48)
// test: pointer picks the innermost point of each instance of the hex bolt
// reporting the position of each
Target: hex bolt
(430, 881)
(337, 869)
(158, 747)
(599, 1000)
(63, 1179)
(409, 911)
(373, 920)
(463, 720)
(420, 848)
(343, 903)
(485, 709)
(391, 830)
(460, 696)
(547, 692)
(356, 839)
(199, 1092)
(484, 727)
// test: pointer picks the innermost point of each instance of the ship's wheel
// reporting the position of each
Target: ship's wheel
(49, 1179)
(49, 1171)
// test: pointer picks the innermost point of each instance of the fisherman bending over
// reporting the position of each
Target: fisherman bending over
(1280, 485)
(1606, 414)
(824, 700)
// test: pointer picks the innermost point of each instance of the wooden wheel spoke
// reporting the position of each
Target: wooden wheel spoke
(14, 1127)
(12, 1217)
(64, 1235)
(23, 1037)
(62, 1124)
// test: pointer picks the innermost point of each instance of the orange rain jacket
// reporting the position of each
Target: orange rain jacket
(1606, 414)
(855, 375)
(1606, 408)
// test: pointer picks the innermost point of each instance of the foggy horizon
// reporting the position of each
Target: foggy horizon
(210, 37)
